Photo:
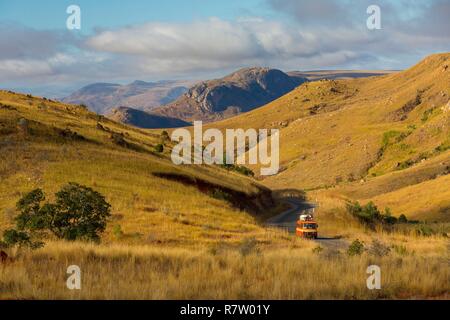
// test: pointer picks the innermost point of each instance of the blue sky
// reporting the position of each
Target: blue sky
(51, 14)
(121, 41)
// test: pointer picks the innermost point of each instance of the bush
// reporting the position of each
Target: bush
(221, 195)
(378, 249)
(164, 137)
(370, 215)
(117, 231)
(118, 138)
(424, 231)
(159, 148)
(79, 213)
(356, 248)
(402, 219)
(317, 249)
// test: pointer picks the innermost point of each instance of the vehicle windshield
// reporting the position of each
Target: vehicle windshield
(309, 226)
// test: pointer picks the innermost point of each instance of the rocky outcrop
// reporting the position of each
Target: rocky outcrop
(241, 91)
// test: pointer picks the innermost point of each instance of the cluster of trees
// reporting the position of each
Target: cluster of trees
(371, 215)
(237, 168)
(79, 213)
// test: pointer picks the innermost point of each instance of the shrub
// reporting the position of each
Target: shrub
(221, 195)
(67, 133)
(159, 148)
(79, 213)
(379, 249)
(388, 218)
(118, 138)
(424, 231)
(317, 249)
(244, 170)
(21, 239)
(402, 219)
(369, 214)
(117, 231)
(356, 248)
(164, 136)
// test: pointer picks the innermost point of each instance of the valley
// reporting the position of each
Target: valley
(199, 231)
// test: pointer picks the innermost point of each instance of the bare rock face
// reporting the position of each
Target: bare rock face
(241, 91)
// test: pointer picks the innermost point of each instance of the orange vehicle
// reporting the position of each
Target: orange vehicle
(306, 227)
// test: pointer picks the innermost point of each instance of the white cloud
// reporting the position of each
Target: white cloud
(217, 44)
(307, 38)
(15, 68)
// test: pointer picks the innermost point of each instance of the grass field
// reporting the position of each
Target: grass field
(415, 269)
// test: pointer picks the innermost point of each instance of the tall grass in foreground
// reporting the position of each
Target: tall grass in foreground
(145, 272)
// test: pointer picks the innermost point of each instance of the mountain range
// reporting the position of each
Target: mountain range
(160, 104)
(103, 97)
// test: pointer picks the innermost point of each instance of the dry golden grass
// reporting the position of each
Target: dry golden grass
(143, 272)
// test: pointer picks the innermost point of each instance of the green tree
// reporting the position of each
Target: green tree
(13, 238)
(402, 219)
(79, 213)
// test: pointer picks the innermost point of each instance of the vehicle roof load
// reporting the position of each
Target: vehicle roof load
(306, 217)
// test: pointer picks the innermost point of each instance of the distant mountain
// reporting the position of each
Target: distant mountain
(241, 91)
(103, 97)
(144, 120)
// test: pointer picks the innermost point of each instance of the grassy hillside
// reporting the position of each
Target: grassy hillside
(45, 144)
(388, 133)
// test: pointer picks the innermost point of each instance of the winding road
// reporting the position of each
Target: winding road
(288, 220)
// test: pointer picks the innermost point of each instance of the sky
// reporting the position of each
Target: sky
(121, 41)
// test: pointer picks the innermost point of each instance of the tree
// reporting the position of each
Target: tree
(402, 219)
(79, 213)
(13, 237)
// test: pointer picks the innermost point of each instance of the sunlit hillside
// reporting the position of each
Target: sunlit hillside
(378, 138)
(46, 144)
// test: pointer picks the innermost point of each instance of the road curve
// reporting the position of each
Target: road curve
(288, 220)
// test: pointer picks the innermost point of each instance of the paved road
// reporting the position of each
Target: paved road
(288, 219)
